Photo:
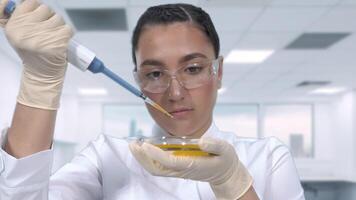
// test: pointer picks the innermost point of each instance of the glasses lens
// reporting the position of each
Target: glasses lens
(153, 80)
(195, 75)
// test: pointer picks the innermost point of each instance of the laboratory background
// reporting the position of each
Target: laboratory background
(289, 72)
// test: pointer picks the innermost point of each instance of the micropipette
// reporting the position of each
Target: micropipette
(84, 59)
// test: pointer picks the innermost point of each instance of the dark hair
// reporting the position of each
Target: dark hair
(170, 13)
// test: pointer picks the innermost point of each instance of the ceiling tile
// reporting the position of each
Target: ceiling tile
(233, 18)
(348, 2)
(313, 68)
(290, 57)
(266, 40)
(335, 57)
(231, 73)
(97, 4)
(304, 2)
(347, 44)
(228, 40)
(339, 19)
(277, 18)
(133, 14)
(157, 2)
(236, 3)
(273, 69)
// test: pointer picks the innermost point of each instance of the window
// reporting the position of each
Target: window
(126, 120)
(292, 124)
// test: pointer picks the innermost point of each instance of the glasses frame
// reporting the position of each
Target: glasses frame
(215, 64)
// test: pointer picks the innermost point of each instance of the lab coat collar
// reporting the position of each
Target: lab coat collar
(211, 132)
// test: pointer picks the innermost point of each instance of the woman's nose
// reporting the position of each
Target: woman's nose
(175, 90)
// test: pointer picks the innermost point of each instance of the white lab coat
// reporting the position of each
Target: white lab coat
(107, 170)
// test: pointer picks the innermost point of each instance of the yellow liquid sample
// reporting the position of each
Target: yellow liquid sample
(184, 150)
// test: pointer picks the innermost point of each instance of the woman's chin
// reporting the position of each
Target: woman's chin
(179, 132)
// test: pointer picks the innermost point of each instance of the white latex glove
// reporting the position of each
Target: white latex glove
(3, 19)
(40, 37)
(227, 176)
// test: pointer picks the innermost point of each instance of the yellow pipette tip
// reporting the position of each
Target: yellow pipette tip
(158, 107)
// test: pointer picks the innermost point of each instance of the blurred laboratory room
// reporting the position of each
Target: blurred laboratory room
(289, 72)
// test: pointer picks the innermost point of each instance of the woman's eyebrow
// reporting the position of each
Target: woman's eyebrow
(151, 62)
(191, 56)
(188, 57)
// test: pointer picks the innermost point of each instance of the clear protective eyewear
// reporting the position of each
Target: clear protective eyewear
(192, 75)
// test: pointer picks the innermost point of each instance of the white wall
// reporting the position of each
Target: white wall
(354, 138)
(343, 135)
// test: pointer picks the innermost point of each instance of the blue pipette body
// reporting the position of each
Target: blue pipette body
(97, 66)
(10, 7)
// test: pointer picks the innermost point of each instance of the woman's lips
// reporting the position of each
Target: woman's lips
(179, 113)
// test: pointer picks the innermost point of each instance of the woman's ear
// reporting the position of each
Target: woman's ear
(220, 72)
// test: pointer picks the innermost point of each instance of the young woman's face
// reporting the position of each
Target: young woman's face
(171, 47)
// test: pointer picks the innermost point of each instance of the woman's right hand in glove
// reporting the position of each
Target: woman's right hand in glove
(40, 37)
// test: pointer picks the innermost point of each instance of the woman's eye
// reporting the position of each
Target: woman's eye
(154, 74)
(194, 69)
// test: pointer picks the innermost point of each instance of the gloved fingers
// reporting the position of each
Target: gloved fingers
(55, 21)
(157, 154)
(41, 13)
(166, 159)
(213, 145)
(141, 157)
(68, 31)
(65, 32)
(26, 7)
(3, 18)
(55, 43)
(3, 3)
(3, 22)
(2, 8)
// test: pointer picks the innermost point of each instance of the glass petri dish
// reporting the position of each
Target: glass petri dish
(178, 146)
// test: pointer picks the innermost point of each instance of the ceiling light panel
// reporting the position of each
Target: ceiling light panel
(92, 91)
(328, 90)
(248, 56)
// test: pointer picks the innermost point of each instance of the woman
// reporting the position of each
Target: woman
(175, 50)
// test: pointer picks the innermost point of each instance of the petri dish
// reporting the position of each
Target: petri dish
(178, 146)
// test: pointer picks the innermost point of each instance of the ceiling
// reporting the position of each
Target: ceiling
(241, 24)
